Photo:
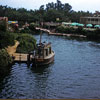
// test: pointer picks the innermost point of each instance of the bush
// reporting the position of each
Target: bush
(25, 30)
(68, 30)
(31, 29)
(6, 39)
(5, 60)
(61, 29)
(27, 43)
(94, 34)
(3, 26)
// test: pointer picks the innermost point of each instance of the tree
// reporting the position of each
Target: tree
(56, 10)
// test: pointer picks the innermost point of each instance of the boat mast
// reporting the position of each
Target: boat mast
(41, 33)
(40, 36)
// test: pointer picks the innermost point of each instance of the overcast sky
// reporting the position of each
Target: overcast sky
(77, 5)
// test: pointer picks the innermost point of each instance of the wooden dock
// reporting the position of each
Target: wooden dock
(60, 34)
(18, 57)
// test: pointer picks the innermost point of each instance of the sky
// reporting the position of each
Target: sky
(77, 5)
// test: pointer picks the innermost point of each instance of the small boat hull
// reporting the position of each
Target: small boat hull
(45, 61)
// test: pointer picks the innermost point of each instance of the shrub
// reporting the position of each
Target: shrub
(25, 30)
(27, 43)
(5, 60)
(94, 34)
(3, 26)
(61, 29)
(6, 39)
(32, 27)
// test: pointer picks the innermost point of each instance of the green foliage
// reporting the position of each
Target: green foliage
(3, 26)
(61, 29)
(94, 34)
(75, 16)
(26, 30)
(68, 30)
(49, 13)
(27, 43)
(30, 29)
(52, 14)
(81, 31)
(5, 60)
(6, 39)
(32, 26)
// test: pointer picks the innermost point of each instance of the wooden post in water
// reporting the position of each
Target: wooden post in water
(28, 60)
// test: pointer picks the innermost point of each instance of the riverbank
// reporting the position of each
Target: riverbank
(60, 34)
(6, 58)
(5, 63)
(76, 65)
(18, 57)
(91, 34)
(13, 48)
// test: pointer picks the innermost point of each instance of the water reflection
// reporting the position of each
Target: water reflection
(40, 70)
(95, 45)
(41, 75)
(74, 73)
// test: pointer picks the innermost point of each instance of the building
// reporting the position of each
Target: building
(95, 19)
(4, 19)
(90, 20)
(4, 22)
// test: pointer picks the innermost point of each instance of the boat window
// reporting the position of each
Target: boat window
(40, 52)
(50, 50)
(46, 52)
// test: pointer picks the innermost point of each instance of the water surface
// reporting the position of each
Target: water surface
(75, 73)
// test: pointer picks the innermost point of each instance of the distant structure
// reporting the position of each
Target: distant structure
(52, 24)
(4, 21)
(95, 19)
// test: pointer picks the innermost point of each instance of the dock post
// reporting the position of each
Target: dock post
(28, 60)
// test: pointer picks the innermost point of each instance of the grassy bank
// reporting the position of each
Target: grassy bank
(91, 34)
(30, 29)
(5, 62)
(27, 44)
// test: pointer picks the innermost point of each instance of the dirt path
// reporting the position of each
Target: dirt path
(12, 52)
(12, 49)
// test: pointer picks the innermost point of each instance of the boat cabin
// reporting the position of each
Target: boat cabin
(43, 50)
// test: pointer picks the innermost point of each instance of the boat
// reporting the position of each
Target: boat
(43, 54)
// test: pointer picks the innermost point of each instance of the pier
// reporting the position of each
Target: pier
(60, 34)
(17, 57)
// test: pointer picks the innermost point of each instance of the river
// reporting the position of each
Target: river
(75, 73)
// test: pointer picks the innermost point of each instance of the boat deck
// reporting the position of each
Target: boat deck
(52, 54)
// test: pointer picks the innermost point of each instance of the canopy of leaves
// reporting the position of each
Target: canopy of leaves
(48, 12)
(5, 60)
(6, 39)
(27, 43)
